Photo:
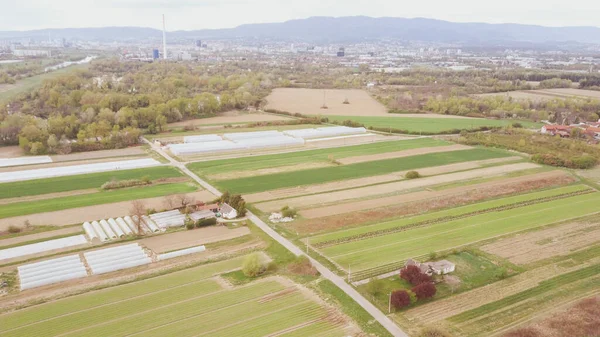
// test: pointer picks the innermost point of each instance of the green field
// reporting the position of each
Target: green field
(430, 125)
(343, 172)
(310, 156)
(104, 197)
(186, 303)
(399, 246)
(457, 211)
(81, 182)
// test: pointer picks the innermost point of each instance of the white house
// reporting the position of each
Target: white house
(228, 212)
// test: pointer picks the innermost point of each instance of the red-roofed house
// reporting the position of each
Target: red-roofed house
(562, 130)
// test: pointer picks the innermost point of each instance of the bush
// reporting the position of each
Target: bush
(584, 162)
(424, 290)
(14, 229)
(517, 125)
(412, 175)
(206, 222)
(115, 184)
(400, 299)
(413, 275)
(301, 266)
(288, 212)
(252, 266)
(375, 286)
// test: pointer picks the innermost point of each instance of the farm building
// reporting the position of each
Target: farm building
(228, 212)
(439, 268)
(562, 130)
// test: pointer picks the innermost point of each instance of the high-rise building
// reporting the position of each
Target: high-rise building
(155, 54)
(341, 52)
(198, 43)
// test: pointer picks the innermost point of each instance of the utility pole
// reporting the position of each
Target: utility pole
(349, 274)
(306, 246)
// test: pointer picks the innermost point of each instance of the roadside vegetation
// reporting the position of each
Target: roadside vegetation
(545, 149)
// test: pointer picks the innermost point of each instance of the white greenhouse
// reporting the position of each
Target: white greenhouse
(206, 147)
(41, 247)
(116, 258)
(20, 161)
(202, 139)
(249, 135)
(77, 169)
(51, 271)
(277, 141)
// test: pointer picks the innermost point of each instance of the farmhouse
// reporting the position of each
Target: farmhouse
(228, 212)
(430, 268)
(562, 130)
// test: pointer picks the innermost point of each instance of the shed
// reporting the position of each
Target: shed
(228, 212)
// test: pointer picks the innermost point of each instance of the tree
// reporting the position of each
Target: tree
(424, 290)
(413, 275)
(375, 287)
(138, 209)
(400, 299)
(252, 266)
(412, 175)
(161, 123)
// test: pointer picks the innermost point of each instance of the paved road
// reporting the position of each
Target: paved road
(326, 273)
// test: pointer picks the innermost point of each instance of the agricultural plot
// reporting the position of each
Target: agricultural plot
(81, 182)
(231, 117)
(390, 243)
(360, 170)
(185, 303)
(378, 189)
(547, 94)
(104, 197)
(310, 102)
(321, 156)
(431, 125)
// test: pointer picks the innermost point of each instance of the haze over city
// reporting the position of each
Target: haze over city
(191, 15)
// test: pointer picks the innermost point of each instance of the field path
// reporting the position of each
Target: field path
(385, 321)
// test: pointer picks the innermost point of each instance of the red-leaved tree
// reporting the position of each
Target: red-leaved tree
(414, 276)
(424, 290)
(400, 299)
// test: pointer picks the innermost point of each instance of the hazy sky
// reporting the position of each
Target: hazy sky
(190, 14)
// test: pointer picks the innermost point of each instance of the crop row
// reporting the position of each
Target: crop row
(542, 288)
(214, 310)
(430, 222)
(115, 294)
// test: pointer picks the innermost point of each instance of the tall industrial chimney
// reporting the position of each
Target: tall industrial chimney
(164, 39)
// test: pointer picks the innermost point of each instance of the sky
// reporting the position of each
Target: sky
(191, 15)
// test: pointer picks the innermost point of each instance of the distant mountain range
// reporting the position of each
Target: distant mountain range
(348, 29)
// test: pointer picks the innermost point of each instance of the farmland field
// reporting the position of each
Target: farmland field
(186, 303)
(208, 168)
(390, 242)
(431, 125)
(104, 197)
(310, 101)
(547, 94)
(230, 117)
(342, 172)
(80, 182)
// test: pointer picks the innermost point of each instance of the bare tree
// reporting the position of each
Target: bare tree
(184, 200)
(170, 202)
(138, 209)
